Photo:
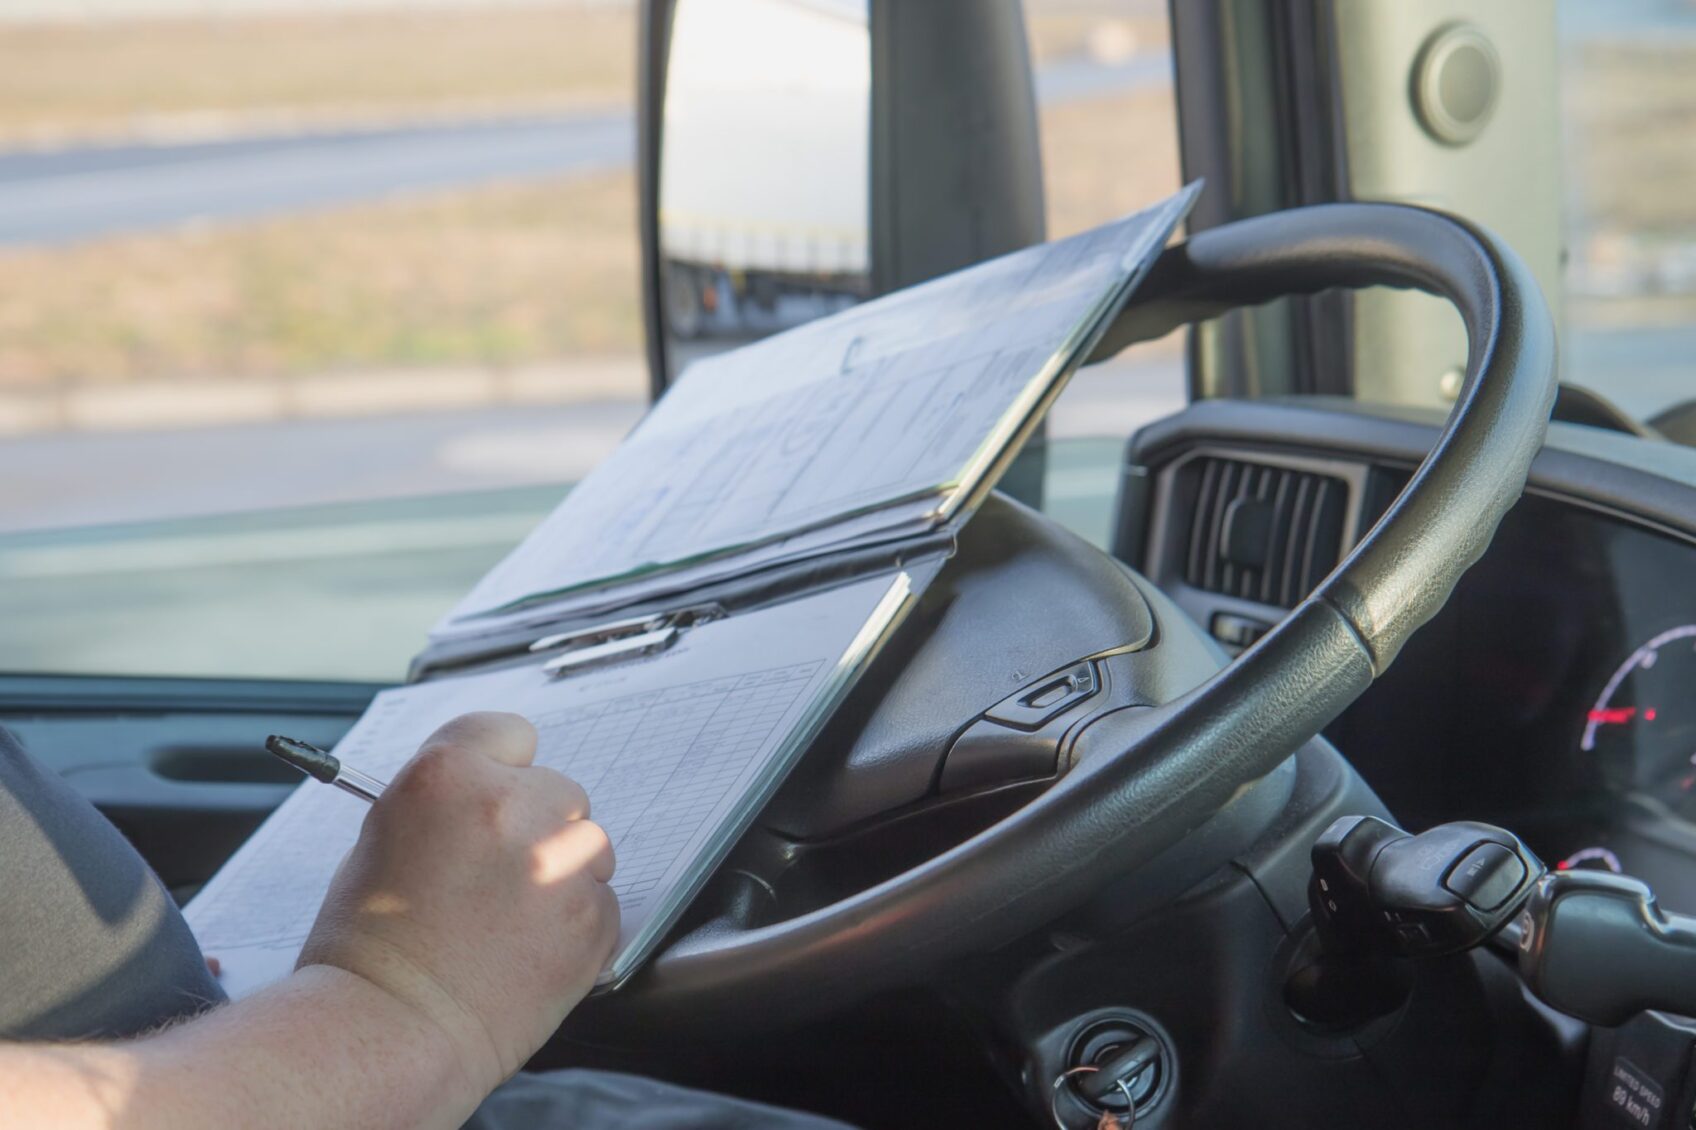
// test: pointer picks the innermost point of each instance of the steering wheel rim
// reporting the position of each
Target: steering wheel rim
(1141, 779)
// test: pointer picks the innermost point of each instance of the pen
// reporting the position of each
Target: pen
(321, 765)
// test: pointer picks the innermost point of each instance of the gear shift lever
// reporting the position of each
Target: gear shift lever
(1377, 888)
(1379, 894)
(1593, 945)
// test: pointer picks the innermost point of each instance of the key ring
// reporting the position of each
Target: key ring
(1060, 1081)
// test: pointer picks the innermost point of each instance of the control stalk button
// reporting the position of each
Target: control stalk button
(1486, 876)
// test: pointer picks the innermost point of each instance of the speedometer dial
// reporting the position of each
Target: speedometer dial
(1642, 728)
(1591, 859)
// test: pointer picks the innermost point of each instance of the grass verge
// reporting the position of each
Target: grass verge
(501, 276)
(110, 78)
(491, 277)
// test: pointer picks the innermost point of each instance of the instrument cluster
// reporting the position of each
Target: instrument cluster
(1555, 695)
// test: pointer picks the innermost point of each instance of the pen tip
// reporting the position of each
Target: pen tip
(305, 756)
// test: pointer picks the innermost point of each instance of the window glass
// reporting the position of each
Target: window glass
(1629, 109)
(310, 308)
(324, 265)
(1109, 146)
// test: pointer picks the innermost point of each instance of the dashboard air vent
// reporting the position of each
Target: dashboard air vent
(1263, 533)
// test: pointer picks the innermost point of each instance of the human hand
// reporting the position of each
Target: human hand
(477, 894)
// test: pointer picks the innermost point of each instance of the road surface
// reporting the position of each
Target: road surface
(85, 478)
(55, 196)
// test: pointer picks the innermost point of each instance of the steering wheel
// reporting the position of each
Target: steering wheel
(1143, 778)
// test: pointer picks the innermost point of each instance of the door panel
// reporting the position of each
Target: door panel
(178, 765)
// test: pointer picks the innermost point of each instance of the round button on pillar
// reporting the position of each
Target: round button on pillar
(1456, 80)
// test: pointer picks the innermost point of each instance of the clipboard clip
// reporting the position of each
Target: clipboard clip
(619, 641)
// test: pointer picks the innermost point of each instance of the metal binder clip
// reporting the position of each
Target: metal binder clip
(620, 640)
(611, 651)
(600, 633)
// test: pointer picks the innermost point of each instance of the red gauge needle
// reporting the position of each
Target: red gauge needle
(1616, 715)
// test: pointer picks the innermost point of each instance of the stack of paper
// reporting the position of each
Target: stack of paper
(872, 425)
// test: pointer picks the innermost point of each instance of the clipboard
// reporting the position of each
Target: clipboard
(680, 691)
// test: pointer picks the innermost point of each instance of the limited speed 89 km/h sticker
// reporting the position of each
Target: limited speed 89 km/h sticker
(1635, 1095)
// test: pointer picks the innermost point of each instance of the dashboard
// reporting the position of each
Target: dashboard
(1556, 692)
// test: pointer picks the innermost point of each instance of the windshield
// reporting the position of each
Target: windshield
(311, 309)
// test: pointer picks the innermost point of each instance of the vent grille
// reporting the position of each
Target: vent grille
(1263, 533)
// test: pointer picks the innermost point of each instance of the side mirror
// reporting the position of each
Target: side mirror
(765, 171)
(799, 156)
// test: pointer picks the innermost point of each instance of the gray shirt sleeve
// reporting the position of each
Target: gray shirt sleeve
(91, 943)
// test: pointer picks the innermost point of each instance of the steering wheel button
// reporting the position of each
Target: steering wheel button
(1051, 694)
(1039, 702)
(1486, 876)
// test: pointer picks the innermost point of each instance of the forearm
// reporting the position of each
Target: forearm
(324, 1049)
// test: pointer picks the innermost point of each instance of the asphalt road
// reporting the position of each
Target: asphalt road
(74, 194)
(54, 196)
(69, 479)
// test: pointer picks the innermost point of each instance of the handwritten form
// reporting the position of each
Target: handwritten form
(678, 755)
(880, 414)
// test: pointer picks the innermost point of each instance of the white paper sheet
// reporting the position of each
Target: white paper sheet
(893, 403)
(677, 753)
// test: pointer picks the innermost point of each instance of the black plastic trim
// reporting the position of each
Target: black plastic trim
(81, 694)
